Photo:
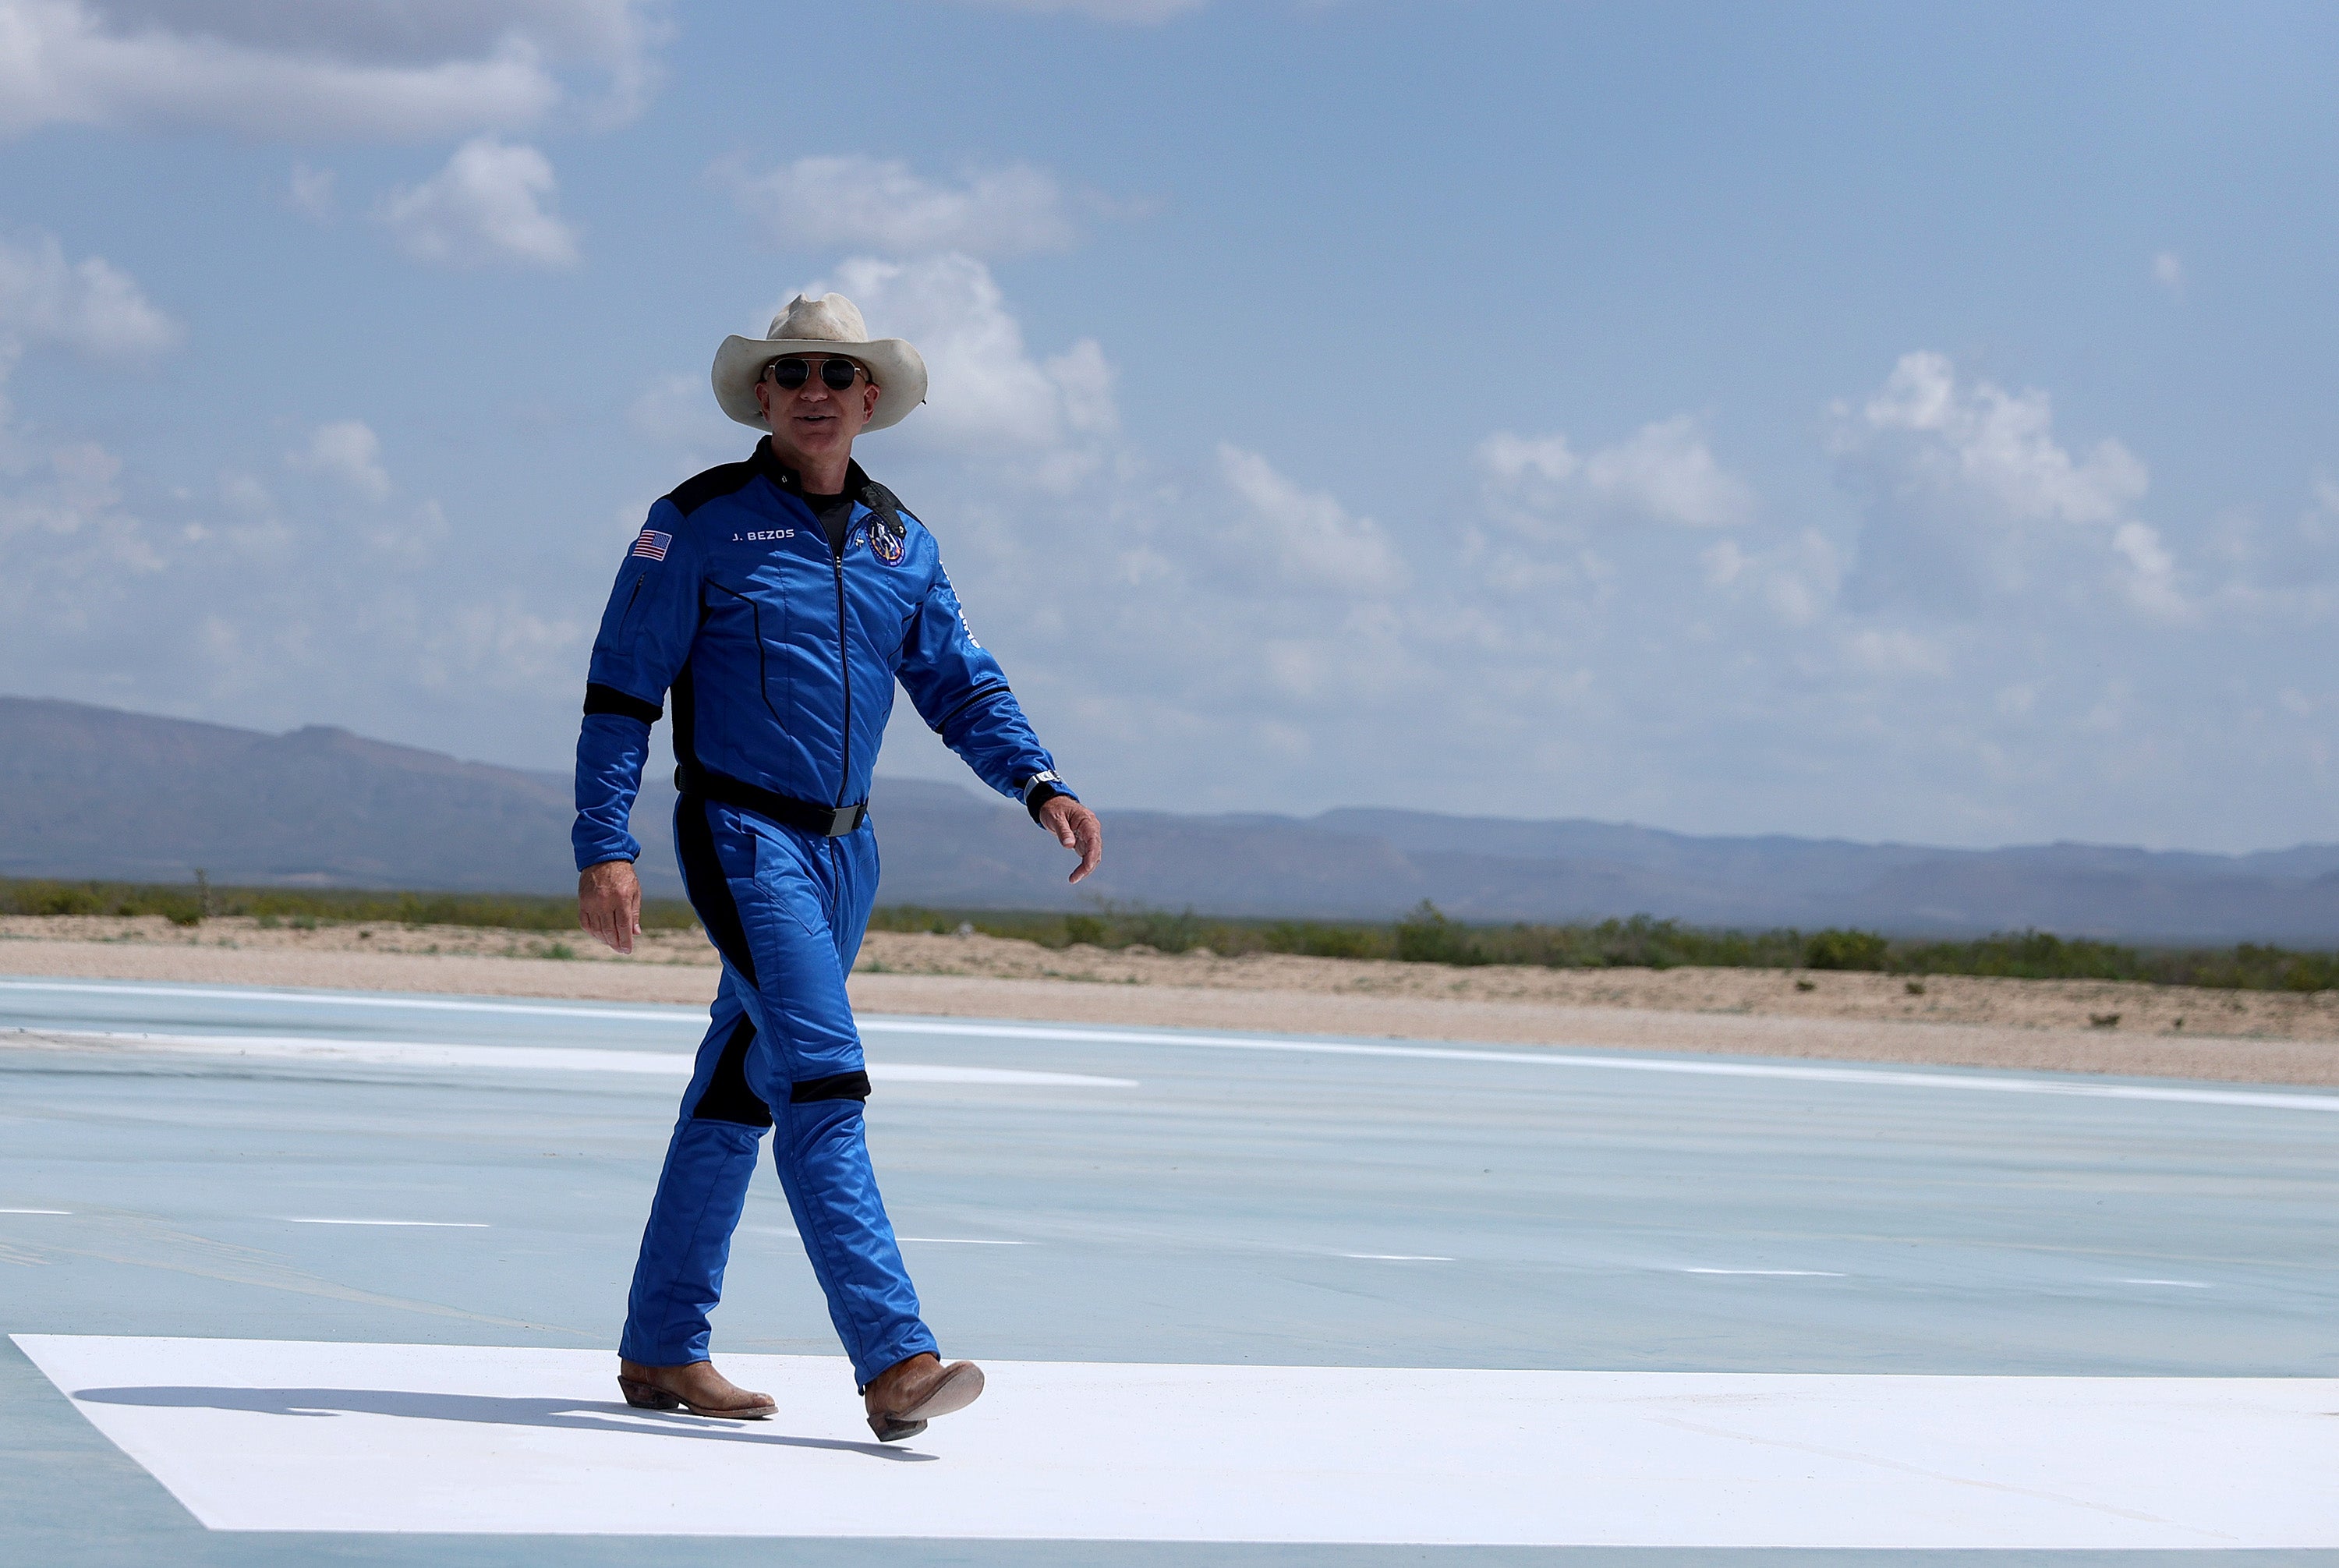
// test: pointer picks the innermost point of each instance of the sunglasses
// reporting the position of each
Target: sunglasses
(789, 374)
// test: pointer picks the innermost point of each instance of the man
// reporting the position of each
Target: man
(779, 599)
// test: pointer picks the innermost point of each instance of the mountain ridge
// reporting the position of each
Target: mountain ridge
(89, 792)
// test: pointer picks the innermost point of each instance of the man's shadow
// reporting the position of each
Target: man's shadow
(486, 1409)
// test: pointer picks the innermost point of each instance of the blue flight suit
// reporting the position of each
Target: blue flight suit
(781, 653)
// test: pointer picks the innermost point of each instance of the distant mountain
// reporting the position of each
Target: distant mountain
(91, 791)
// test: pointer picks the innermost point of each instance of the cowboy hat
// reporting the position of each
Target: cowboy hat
(832, 325)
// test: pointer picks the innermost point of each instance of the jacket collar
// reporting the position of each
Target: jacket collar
(790, 482)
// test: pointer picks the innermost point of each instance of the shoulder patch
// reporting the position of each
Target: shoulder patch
(888, 540)
(714, 484)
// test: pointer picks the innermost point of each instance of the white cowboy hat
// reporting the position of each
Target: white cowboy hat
(830, 324)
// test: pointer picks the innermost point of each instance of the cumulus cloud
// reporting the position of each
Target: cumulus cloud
(389, 69)
(1969, 496)
(488, 206)
(347, 450)
(2168, 271)
(990, 399)
(90, 305)
(1664, 473)
(1795, 578)
(77, 554)
(1303, 538)
(878, 203)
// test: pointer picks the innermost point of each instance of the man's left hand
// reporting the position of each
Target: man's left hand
(1075, 827)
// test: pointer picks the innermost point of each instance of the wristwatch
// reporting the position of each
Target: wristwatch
(1040, 789)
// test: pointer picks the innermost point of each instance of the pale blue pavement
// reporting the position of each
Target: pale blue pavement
(1261, 1204)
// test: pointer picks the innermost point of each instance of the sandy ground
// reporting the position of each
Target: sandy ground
(2068, 1026)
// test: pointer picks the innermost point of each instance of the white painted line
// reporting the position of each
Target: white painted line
(425, 1224)
(920, 1072)
(36, 1211)
(1979, 1079)
(356, 998)
(1396, 1258)
(2179, 1283)
(1773, 1273)
(1999, 1082)
(485, 1440)
(528, 1057)
(961, 1241)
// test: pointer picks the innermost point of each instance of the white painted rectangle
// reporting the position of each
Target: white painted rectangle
(294, 1435)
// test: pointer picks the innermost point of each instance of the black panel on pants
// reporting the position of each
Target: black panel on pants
(728, 1096)
(710, 892)
(838, 1086)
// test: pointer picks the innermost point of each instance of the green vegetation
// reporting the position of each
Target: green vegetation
(1427, 935)
(305, 909)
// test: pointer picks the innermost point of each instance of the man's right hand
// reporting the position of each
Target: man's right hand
(609, 903)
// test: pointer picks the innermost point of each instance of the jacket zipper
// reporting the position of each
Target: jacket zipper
(843, 662)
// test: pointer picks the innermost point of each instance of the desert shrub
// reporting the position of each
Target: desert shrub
(1838, 949)
(1426, 936)
(294, 906)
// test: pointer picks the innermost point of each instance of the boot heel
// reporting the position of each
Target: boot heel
(647, 1395)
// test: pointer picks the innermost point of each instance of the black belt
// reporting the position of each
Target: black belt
(803, 815)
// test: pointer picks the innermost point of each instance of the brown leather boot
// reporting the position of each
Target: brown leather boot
(695, 1386)
(907, 1394)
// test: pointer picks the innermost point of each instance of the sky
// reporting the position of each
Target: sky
(1906, 422)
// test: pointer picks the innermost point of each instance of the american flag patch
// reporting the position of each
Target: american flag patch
(653, 544)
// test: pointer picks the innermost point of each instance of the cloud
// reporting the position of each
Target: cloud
(1662, 474)
(1968, 498)
(1303, 538)
(1794, 579)
(488, 205)
(2002, 444)
(2169, 273)
(1138, 12)
(90, 306)
(376, 69)
(988, 398)
(347, 450)
(76, 555)
(860, 203)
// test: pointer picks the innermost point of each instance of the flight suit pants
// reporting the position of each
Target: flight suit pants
(786, 911)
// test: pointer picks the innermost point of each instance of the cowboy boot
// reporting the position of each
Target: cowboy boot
(906, 1395)
(695, 1386)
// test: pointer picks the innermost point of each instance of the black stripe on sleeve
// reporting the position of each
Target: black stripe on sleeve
(601, 699)
(1039, 794)
(980, 694)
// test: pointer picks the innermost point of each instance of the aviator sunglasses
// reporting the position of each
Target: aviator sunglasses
(789, 374)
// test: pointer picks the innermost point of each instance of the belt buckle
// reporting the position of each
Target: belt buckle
(843, 819)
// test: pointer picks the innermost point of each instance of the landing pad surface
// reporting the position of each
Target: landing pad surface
(269, 1435)
(1247, 1300)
